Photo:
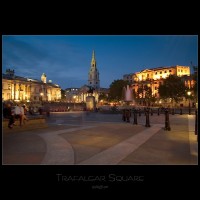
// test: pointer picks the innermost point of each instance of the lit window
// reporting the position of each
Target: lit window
(160, 72)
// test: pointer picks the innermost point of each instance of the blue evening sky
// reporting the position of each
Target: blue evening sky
(66, 59)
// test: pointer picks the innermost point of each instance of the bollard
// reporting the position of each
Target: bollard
(139, 111)
(151, 112)
(167, 124)
(196, 116)
(172, 111)
(158, 111)
(147, 118)
(123, 115)
(135, 117)
(128, 116)
(181, 111)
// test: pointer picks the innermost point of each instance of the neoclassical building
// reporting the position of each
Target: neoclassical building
(18, 88)
(155, 76)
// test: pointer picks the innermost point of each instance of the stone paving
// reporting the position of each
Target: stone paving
(79, 138)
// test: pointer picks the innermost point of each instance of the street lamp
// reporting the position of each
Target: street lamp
(74, 101)
(41, 94)
(189, 93)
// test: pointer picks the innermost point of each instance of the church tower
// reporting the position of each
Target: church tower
(93, 75)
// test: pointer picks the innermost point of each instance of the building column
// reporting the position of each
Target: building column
(14, 91)
(19, 90)
(29, 92)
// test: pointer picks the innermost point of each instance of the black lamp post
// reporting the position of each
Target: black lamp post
(189, 93)
(41, 95)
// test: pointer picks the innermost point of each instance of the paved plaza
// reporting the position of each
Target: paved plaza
(84, 138)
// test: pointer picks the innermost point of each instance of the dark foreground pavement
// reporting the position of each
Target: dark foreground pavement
(95, 139)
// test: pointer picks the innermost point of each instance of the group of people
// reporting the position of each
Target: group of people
(19, 112)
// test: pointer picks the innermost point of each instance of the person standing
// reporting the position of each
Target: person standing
(18, 113)
(7, 114)
(23, 113)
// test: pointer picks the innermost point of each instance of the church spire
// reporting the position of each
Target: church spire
(93, 62)
(93, 75)
(93, 55)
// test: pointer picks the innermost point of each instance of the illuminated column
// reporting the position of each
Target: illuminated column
(14, 91)
(29, 97)
(11, 89)
(25, 92)
(19, 87)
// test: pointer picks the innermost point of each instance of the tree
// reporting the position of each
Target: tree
(144, 94)
(148, 94)
(103, 96)
(116, 88)
(172, 87)
(63, 97)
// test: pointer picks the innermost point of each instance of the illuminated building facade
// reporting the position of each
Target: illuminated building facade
(153, 78)
(18, 88)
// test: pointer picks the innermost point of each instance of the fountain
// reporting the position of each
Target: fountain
(127, 94)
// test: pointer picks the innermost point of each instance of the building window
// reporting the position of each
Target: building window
(90, 82)
(181, 70)
(155, 83)
(170, 70)
(160, 76)
(155, 88)
(165, 71)
(155, 72)
(160, 72)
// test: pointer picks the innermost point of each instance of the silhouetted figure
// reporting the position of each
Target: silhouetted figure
(128, 115)
(124, 115)
(7, 114)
